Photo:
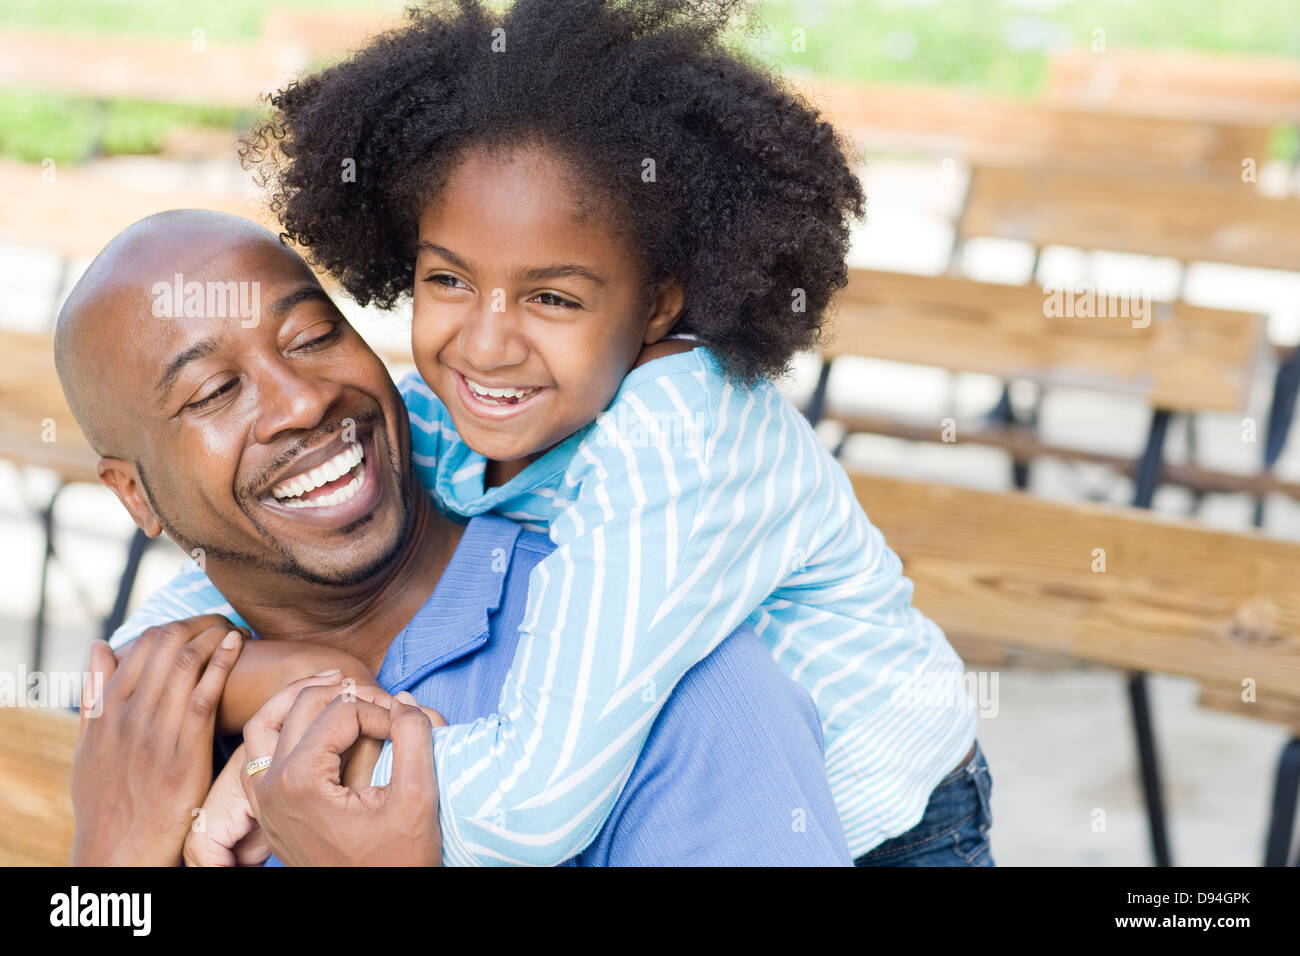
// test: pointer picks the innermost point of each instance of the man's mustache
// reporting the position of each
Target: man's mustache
(298, 446)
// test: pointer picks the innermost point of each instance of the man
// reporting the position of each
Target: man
(274, 447)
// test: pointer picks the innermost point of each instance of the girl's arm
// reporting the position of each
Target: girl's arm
(667, 549)
(274, 665)
(263, 668)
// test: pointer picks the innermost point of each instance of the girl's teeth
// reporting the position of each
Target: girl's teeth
(482, 391)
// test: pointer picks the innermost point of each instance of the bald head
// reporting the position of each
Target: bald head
(116, 307)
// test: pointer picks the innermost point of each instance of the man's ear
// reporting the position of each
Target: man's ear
(665, 307)
(124, 481)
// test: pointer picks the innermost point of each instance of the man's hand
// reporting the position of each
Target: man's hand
(225, 833)
(310, 818)
(143, 765)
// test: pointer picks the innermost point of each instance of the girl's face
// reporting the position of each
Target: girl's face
(527, 313)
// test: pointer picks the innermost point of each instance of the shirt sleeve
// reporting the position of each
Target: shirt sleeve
(680, 529)
(189, 594)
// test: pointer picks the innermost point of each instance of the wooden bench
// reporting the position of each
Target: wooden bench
(1223, 220)
(139, 68)
(82, 208)
(37, 429)
(36, 748)
(36, 425)
(1176, 598)
(200, 71)
(978, 128)
(1257, 89)
(1186, 360)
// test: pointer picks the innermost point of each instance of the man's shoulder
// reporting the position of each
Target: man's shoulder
(741, 675)
(735, 750)
(534, 543)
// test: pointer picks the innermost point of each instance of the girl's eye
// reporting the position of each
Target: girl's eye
(446, 281)
(557, 300)
(213, 396)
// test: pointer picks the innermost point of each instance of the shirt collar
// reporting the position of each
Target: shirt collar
(455, 619)
(461, 472)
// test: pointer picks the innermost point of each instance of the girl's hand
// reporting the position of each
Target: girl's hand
(225, 832)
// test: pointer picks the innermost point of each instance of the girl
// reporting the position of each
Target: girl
(616, 233)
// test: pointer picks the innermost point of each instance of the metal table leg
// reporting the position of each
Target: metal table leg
(1285, 792)
(1146, 480)
(134, 552)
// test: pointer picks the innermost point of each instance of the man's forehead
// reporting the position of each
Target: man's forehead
(185, 310)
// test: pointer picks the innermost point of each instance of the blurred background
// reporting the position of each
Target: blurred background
(1145, 148)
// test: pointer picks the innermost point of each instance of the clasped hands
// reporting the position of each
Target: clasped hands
(143, 766)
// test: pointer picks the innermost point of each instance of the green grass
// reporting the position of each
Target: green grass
(1002, 46)
(219, 19)
(36, 126)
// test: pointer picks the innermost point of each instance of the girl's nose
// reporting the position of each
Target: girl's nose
(491, 339)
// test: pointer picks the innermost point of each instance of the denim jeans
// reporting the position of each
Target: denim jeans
(954, 831)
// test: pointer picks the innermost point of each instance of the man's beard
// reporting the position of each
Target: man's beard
(287, 563)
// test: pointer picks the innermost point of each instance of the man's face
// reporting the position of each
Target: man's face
(279, 447)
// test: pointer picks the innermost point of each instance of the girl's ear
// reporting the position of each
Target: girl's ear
(121, 477)
(665, 307)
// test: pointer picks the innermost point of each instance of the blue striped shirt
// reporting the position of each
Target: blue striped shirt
(691, 505)
(732, 772)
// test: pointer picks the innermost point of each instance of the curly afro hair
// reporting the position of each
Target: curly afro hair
(750, 201)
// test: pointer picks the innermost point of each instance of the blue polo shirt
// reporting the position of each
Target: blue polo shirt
(732, 773)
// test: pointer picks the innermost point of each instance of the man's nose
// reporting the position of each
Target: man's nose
(490, 339)
(292, 402)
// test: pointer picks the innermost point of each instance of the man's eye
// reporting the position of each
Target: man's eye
(329, 336)
(213, 396)
(334, 331)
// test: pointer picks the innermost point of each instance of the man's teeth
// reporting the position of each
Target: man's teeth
(482, 391)
(339, 465)
(333, 498)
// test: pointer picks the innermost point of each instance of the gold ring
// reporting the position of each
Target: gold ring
(254, 767)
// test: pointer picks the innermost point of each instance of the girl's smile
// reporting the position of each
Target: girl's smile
(500, 402)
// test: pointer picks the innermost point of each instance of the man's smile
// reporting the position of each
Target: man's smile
(329, 488)
(331, 483)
